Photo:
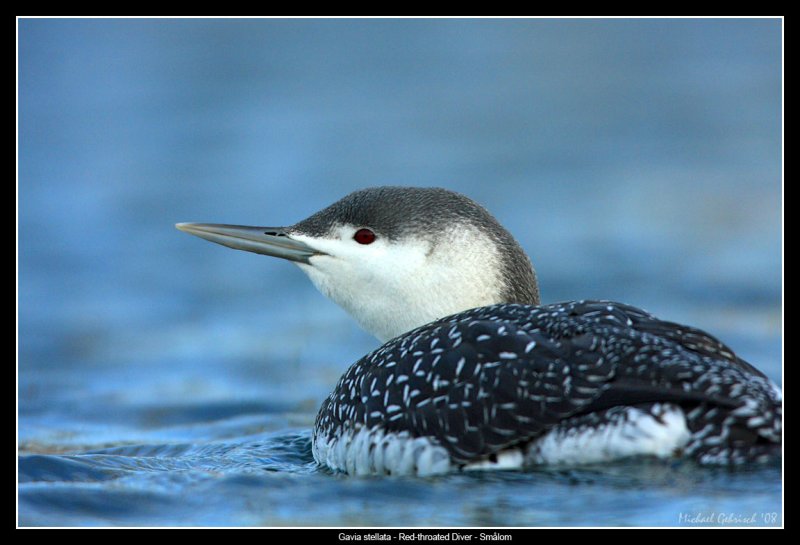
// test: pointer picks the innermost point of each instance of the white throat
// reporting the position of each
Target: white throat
(391, 287)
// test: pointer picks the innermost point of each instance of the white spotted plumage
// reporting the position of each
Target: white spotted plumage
(625, 392)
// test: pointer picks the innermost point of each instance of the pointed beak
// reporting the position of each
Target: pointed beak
(272, 241)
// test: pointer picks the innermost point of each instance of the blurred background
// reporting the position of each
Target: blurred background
(635, 160)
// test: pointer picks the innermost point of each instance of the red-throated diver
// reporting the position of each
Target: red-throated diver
(475, 373)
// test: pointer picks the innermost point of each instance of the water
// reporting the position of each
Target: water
(166, 381)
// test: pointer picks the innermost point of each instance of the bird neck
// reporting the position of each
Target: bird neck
(427, 281)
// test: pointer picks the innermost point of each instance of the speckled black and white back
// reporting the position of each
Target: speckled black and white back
(519, 385)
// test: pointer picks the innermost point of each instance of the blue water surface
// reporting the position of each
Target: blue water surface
(163, 380)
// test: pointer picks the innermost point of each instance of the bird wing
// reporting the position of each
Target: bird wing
(490, 378)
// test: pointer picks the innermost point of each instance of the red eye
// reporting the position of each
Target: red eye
(364, 236)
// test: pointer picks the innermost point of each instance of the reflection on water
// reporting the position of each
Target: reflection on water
(166, 381)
